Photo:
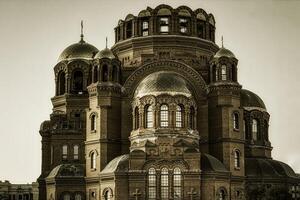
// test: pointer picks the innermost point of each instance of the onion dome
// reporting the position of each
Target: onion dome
(223, 52)
(80, 50)
(249, 99)
(105, 53)
(162, 83)
(67, 170)
(263, 168)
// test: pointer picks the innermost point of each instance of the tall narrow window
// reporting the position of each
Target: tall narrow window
(51, 154)
(151, 183)
(129, 29)
(236, 121)
(192, 118)
(78, 197)
(222, 195)
(236, 159)
(93, 123)
(177, 183)
(107, 195)
(104, 73)
(76, 152)
(215, 73)
(164, 24)
(149, 117)
(145, 28)
(93, 160)
(179, 117)
(183, 25)
(201, 28)
(61, 83)
(78, 81)
(67, 197)
(64, 152)
(115, 74)
(266, 130)
(164, 183)
(254, 129)
(245, 130)
(223, 73)
(95, 72)
(164, 116)
(136, 118)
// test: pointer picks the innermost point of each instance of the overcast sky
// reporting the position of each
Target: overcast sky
(264, 35)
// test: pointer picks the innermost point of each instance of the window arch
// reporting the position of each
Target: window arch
(151, 183)
(93, 160)
(201, 25)
(78, 81)
(95, 72)
(129, 29)
(183, 25)
(266, 130)
(236, 123)
(164, 185)
(93, 123)
(222, 194)
(65, 152)
(237, 159)
(177, 183)
(76, 152)
(149, 116)
(61, 83)
(107, 194)
(136, 118)
(254, 129)
(104, 73)
(164, 115)
(223, 72)
(192, 117)
(179, 116)
(145, 27)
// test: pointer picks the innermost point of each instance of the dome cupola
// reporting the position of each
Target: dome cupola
(105, 53)
(251, 100)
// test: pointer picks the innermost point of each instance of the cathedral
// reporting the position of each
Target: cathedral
(160, 115)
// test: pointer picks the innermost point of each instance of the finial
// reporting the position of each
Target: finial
(81, 31)
(222, 41)
(106, 42)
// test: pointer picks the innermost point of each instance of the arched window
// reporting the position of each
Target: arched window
(179, 117)
(149, 116)
(164, 24)
(67, 197)
(78, 197)
(93, 160)
(145, 27)
(104, 73)
(136, 118)
(107, 195)
(93, 123)
(95, 74)
(236, 121)
(164, 185)
(223, 72)
(183, 25)
(76, 152)
(177, 183)
(151, 183)
(245, 130)
(78, 81)
(215, 73)
(221, 194)
(237, 159)
(65, 152)
(164, 116)
(192, 118)
(115, 74)
(61, 83)
(254, 129)
(129, 29)
(266, 130)
(90, 77)
(201, 25)
(51, 154)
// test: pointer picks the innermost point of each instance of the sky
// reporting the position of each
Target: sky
(264, 36)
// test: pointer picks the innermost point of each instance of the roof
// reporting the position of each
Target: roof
(249, 99)
(105, 53)
(263, 167)
(67, 170)
(162, 83)
(80, 50)
(119, 163)
(223, 52)
(211, 164)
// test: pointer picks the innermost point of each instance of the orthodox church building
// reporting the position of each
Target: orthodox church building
(160, 115)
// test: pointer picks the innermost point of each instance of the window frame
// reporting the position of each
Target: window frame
(152, 186)
(236, 120)
(149, 117)
(76, 152)
(65, 152)
(165, 24)
(254, 129)
(224, 72)
(164, 116)
(179, 116)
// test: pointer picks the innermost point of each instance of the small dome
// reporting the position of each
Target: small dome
(81, 50)
(105, 53)
(162, 83)
(210, 163)
(119, 163)
(67, 170)
(223, 52)
(249, 99)
(262, 167)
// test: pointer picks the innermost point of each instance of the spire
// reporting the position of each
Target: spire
(81, 32)
(106, 42)
(222, 39)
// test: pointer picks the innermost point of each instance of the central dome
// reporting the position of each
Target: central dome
(162, 83)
